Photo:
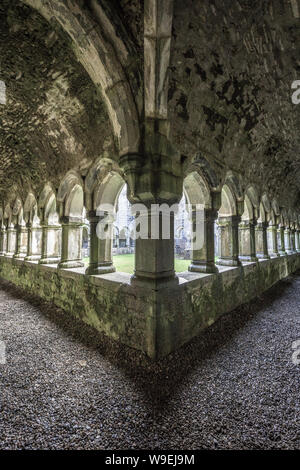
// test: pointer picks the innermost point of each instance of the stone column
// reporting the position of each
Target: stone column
(21, 241)
(34, 242)
(261, 241)
(154, 250)
(247, 240)
(228, 247)
(297, 240)
(11, 241)
(287, 240)
(281, 236)
(273, 242)
(293, 240)
(100, 249)
(51, 244)
(3, 243)
(203, 245)
(155, 178)
(71, 243)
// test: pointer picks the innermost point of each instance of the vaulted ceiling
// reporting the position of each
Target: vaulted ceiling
(54, 117)
(230, 74)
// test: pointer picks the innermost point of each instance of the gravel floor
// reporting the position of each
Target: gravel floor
(64, 387)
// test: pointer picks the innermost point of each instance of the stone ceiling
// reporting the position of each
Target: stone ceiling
(54, 118)
(232, 66)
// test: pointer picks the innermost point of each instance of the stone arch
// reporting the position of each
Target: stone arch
(248, 213)
(228, 202)
(1, 216)
(7, 214)
(197, 190)
(264, 208)
(47, 205)
(251, 205)
(275, 207)
(285, 216)
(97, 173)
(98, 56)
(103, 188)
(289, 217)
(108, 191)
(17, 212)
(204, 168)
(234, 182)
(31, 209)
(70, 196)
(272, 217)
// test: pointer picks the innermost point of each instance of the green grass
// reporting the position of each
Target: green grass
(125, 263)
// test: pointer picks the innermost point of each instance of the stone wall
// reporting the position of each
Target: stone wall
(155, 322)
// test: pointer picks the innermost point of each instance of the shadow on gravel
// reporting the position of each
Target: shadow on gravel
(157, 381)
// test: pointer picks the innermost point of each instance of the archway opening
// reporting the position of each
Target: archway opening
(123, 246)
(182, 236)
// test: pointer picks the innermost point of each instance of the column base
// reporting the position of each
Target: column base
(262, 256)
(32, 258)
(95, 270)
(49, 260)
(70, 264)
(228, 262)
(274, 255)
(282, 253)
(154, 283)
(208, 268)
(19, 255)
(248, 259)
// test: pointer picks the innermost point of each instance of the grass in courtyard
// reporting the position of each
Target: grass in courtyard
(125, 263)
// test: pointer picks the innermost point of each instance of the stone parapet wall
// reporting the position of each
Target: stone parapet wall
(155, 322)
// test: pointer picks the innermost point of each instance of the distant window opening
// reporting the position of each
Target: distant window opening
(123, 243)
(182, 236)
(2, 92)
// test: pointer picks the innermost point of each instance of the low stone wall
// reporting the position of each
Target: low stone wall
(156, 322)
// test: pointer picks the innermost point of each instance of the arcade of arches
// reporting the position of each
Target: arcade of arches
(169, 98)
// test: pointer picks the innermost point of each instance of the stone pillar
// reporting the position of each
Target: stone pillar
(155, 178)
(51, 244)
(287, 241)
(297, 240)
(34, 242)
(293, 240)
(281, 236)
(100, 249)
(273, 241)
(247, 240)
(21, 241)
(228, 248)
(11, 241)
(154, 254)
(71, 243)
(203, 245)
(261, 240)
(3, 243)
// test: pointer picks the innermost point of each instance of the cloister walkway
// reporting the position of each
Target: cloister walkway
(236, 386)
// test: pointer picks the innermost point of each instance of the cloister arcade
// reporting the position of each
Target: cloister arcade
(47, 228)
(98, 95)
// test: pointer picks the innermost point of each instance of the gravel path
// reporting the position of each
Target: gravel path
(64, 387)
